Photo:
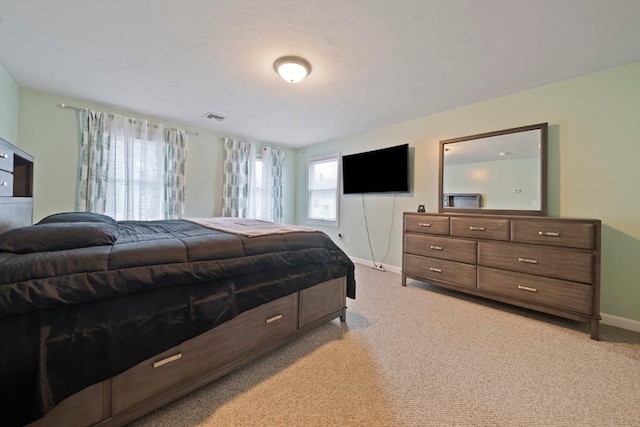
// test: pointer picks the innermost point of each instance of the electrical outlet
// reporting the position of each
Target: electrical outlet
(347, 238)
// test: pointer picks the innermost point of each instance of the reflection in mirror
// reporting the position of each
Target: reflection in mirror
(495, 172)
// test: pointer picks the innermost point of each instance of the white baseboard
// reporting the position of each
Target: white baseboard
(620, 322)
(391, 268)
(607, 319)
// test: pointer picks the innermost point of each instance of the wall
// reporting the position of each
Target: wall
(594, 158)
(52, 135)
(498, 182)
(8, 107)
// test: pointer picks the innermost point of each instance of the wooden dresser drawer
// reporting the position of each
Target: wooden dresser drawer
(456, 273)
(540, 290)
(6, 158)
(426, 224)
(441, 247)
(540, 260)
(480, 228)
(268, 322)
(6, 184)
(554, 233)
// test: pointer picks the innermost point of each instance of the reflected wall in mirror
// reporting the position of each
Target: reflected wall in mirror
(501, 172)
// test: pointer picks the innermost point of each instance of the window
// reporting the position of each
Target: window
(323, 197)
(138, 190)
(252, 181)
(131, 169)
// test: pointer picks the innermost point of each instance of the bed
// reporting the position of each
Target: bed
(102, 321)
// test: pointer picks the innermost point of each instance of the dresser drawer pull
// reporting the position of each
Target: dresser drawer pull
(424, 224)
(4, 156)
(274, 318)
(476, 228)
(548, 233)
(3, 183)
(436, 248)
(527, 288)
(167, 360)
(436, 270)
(528, 260)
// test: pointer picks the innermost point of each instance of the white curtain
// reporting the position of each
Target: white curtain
(252, 181)
(131, 169)
(272, 165)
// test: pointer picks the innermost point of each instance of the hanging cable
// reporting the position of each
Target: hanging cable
(366, 225)
(364, 210)
(393, 214)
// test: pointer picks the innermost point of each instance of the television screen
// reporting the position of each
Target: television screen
(379, 171)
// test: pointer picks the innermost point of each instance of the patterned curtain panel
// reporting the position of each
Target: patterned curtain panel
(252, 183)
(235, 180)
(175, 165)
(96, 150)
(131, 169)
(274, 160)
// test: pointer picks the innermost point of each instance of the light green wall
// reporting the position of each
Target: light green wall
(594, 172)
(51, 134)
(8, 107)
(594, 153)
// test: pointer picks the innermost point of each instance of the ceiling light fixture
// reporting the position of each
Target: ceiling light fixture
(292, 68)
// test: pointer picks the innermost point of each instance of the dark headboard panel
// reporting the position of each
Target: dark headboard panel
(16, 187)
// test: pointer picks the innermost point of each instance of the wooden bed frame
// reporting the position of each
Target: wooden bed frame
(200, 360)
(196, 362)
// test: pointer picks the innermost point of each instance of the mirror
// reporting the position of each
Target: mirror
(501, 172)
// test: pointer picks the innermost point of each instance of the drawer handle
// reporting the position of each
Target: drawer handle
(528, 260)
(167, 360)
(527, 288)
(549, 233)
(274, 318)
(436, 248)
(424, 224)
(4, 156)
(437, 270)
(476, 228)
(3, 183)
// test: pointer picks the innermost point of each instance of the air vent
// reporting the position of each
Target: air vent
(214, 116)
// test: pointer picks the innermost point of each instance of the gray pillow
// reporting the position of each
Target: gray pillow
(78, 217)
(57, 236)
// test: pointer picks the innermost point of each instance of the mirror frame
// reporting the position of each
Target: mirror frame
(543, 127)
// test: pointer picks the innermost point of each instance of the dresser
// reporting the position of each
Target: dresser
(16, 187)
(547, 264)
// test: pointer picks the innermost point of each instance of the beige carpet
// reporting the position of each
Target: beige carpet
(421, 356)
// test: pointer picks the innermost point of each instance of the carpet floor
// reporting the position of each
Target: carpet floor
(424, 356)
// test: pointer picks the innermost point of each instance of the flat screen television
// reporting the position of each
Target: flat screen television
(378, 171)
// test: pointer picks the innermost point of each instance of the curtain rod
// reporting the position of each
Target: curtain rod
(79, 108)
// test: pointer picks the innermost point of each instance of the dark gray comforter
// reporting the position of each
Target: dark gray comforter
(72, 317)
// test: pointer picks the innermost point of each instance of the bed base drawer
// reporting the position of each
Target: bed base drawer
(318, 301)
(201, 360)
(269, 322)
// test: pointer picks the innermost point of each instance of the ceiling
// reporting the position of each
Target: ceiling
(374, 63)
